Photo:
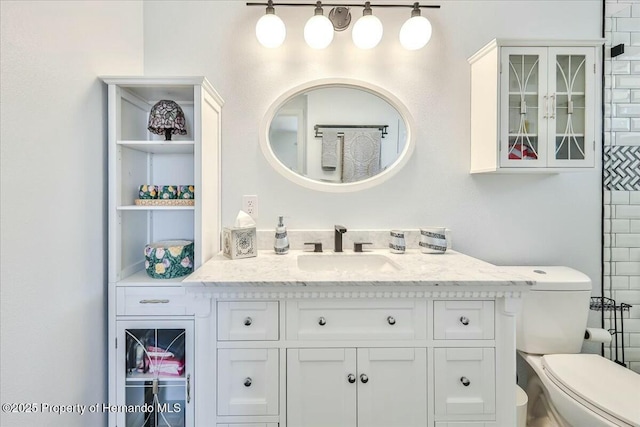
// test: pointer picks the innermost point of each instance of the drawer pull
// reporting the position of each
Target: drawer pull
(248, 321)
(247, 382)
(364, 379)
(464, 320)
(465, 381)
(322, 321)
(391, 320)
(351, 378)
(188, 388)
(154, 301)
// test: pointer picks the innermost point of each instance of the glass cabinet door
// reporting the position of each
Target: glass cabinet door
(571, 136)
(156, 376)
(524, 126)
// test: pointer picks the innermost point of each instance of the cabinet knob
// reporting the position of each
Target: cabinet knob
(247, 382)
(351, 378)
(322, 321)
(464, 320)
(465, 381)
(364, 379)
(391, 320)
(248, 321)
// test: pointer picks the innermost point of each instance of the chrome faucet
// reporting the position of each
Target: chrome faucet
(339, 230)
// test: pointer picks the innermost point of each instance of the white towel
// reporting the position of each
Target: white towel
(361, 155)
(330, 144)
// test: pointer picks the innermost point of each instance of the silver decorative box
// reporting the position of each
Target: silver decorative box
(239, 242)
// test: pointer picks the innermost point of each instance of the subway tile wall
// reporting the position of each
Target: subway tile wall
(622, 174)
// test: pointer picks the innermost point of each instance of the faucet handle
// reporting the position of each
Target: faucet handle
(340, 228)
(357, 246)
(317, 246)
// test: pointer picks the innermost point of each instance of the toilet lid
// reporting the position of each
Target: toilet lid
(598, 383)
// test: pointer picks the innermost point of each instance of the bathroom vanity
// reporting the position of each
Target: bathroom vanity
(354, 339)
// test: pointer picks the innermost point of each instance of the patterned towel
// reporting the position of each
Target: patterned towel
(361, 156)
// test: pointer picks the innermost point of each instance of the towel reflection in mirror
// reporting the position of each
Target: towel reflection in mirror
(355, 152)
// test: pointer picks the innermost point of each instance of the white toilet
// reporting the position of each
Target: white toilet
(566, 388)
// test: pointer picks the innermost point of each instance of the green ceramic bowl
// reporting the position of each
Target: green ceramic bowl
(168, 259)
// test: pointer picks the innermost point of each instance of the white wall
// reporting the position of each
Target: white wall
(53, 176)
(551, 219)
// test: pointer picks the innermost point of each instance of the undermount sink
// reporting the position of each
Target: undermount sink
(346, 262)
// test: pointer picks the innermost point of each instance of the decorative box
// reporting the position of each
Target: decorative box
(169, 259)
(239, 242)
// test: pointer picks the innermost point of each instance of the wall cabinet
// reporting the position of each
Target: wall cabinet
(151, 321)
(360, 362)
(533, 106)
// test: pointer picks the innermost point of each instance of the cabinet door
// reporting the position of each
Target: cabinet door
(523, 104)
(154, 373)
(321, 387)
(572, 118)
(392, 387)
(248, 381)
(464, 382)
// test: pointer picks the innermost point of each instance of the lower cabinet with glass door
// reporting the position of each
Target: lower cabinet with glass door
(154, 373)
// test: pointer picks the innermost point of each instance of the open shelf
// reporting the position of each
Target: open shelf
(142, 278)
(154, 208)
(159, 147)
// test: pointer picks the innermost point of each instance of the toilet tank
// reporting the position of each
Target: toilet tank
(554, 312)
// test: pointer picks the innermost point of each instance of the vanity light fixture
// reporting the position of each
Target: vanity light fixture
(367, 31)
(318, 31)
(270, 29)
(416, 31)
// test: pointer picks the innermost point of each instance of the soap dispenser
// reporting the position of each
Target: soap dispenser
(281, 244)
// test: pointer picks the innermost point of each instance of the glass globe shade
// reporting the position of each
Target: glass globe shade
(318, 32)
(367, 32)
(270, 31)
(415, 33)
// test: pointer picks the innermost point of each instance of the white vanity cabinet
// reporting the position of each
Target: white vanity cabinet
(373, 360)
(533, 106)
(429, 344)
(151, 322)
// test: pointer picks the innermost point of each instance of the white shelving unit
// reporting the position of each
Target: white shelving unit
(533, 106)
(141, 306)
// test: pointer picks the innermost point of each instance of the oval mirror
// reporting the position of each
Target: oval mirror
(337, 135)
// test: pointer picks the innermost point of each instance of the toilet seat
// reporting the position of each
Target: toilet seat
(601, 385)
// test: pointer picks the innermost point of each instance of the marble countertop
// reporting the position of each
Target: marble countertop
(413, 268)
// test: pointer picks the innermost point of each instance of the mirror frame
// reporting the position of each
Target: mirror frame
(336, 187)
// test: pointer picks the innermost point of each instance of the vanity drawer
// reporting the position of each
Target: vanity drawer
(464, 382)
(356, 320)
(248, 321)
(467, 424)
(152, 301)
(248, 381)
(463, 320)
(249, 425)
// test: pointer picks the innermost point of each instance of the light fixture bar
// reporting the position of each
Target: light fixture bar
(413, 5)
